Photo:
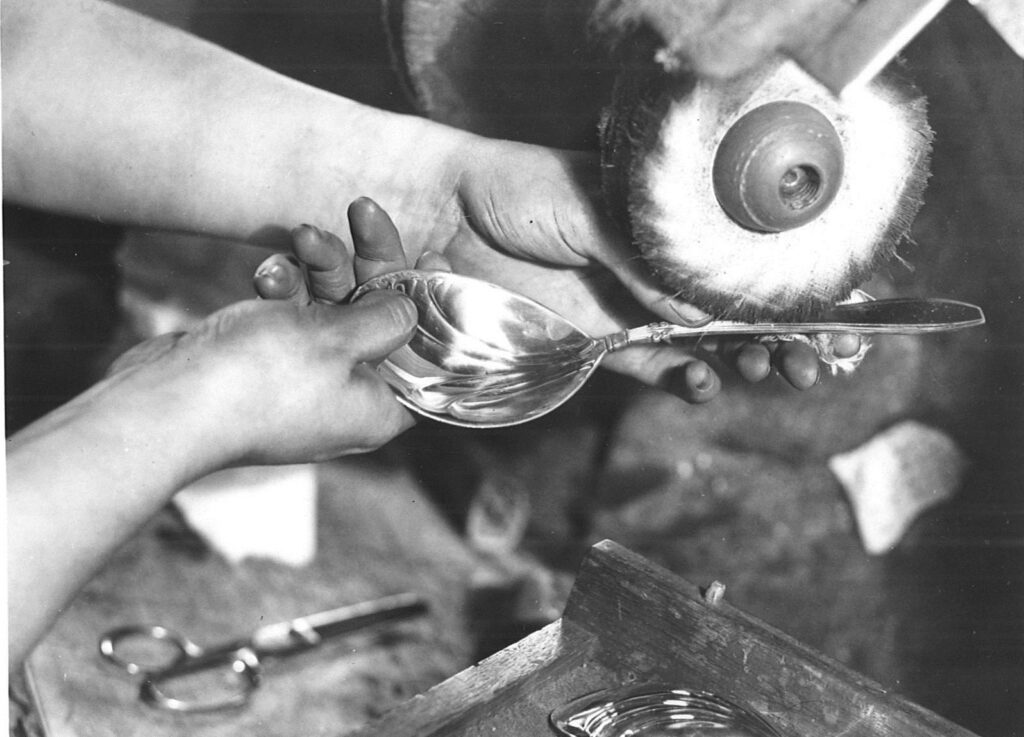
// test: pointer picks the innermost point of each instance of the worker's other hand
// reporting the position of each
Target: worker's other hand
(321, 269)
(290, 382)
(542, 206)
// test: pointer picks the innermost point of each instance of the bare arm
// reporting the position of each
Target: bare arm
(111, 115)
(84, 478)
(87, 476)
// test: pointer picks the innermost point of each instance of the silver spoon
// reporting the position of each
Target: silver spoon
(483, 356)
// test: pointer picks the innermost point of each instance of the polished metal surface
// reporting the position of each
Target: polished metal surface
(654, 711)
(483, 356)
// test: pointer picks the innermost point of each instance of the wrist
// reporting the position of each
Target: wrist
(409, 165)
(163, 421)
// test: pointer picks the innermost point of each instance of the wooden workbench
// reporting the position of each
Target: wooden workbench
(630, 622)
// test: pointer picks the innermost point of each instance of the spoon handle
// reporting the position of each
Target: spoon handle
(884, 316)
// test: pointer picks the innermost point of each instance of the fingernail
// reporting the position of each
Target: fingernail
(846, 345)
(269, 271)
(432, 260)
(701, 376)
(688, 315)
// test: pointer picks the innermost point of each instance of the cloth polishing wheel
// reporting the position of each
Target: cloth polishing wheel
(766, 197)
(761, 198)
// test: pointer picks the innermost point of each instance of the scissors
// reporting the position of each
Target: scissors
(235, 664)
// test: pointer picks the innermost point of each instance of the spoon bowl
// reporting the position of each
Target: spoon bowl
(483, 356)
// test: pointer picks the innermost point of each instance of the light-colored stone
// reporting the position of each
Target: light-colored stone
(894, 477)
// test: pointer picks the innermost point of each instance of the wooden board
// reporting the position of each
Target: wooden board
(628, 621)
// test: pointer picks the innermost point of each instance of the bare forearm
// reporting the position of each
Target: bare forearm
(259, 382)
(110, 115)
(83, 479)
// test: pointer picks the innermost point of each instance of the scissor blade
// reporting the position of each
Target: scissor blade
(366, 614)
(310, 630)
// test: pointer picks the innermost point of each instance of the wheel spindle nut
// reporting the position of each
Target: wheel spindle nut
(778, 167)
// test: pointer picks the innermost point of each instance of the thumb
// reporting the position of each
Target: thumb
(379, 323)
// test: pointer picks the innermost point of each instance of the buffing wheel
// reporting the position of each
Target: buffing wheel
(778, 167)
(761, 198)
(764, 197)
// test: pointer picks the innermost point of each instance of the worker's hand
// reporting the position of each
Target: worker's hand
(329, 274)
(552, 216)
(322, 269)
(520, 215)
(290, 382)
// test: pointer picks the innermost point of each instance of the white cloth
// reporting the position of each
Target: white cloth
(267, 512)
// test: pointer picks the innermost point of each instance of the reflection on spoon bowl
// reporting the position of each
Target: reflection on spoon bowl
(482, 356)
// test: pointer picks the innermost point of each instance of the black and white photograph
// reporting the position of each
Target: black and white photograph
(548, 368)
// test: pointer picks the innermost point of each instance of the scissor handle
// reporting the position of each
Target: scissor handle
(115, 640)
(245, 671)
(237, 659)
